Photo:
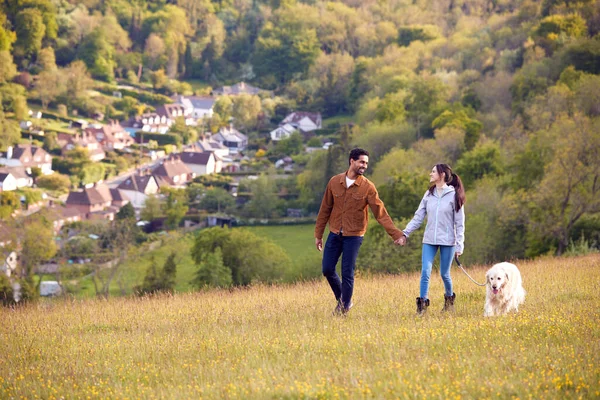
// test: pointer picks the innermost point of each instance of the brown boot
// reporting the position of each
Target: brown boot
(449, 303)
(422, 305)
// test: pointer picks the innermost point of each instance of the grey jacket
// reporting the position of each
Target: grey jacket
(445, 226)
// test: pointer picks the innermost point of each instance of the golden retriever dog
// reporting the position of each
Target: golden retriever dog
(504, 289)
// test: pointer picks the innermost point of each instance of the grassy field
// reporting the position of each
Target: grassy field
(296, 240)
(282, 342)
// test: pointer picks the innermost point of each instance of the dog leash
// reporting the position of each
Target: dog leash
(463, 270)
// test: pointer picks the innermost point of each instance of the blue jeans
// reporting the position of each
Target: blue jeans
(446, 256)
(347, 247)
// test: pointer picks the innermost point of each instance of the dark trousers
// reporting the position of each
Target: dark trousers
(347, 247)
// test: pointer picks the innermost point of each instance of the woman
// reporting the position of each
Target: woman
(445, 230)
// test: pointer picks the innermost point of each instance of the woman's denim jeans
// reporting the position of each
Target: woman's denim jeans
(347, 247)
(446, 256)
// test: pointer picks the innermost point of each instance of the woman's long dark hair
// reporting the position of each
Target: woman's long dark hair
(453, 180)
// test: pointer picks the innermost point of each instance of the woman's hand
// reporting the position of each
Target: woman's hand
(458, 254)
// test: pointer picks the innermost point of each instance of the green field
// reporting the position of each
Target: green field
(296, 240)
(272, 342)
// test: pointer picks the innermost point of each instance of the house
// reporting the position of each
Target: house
(172, 172)
(198, 106)
(282, 132)
(28, 156)
(61, 216)
(85, 140)
(21, 176)
(7, 182)
(149, 122)
(232, 139)
(111, 136)
(237, 89)
(138, 187)
(303, 121)
(174, 111)
(9, 265)
(97, 202)
(201, 163)
(209, 144)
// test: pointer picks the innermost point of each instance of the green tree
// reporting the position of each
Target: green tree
(9, 130)
(152, 209)
(98, 54)
(7, 67)
(284, 51)
(212, 272)
(175, 206)
(30, 30)
(245, 111)
(38, 244)
(483, 160)
(169, 273)
(127, 212)
(216, 200)
(249, 257)
(575, 165)
(264, 197)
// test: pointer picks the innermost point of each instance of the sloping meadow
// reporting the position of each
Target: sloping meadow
(283, 342)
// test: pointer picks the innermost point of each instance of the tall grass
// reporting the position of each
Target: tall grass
(283, 342)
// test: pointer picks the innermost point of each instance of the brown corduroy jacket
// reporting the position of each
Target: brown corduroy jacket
(346, 208)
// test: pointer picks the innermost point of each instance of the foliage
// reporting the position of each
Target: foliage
(250, 258)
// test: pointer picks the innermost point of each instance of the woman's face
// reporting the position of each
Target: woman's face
(434, 176)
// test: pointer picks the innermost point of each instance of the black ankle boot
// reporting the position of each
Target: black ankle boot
(422, 304)
(449, 303)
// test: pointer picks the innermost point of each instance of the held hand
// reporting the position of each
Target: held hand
(458, 254)
(319, 244)
(400, 241)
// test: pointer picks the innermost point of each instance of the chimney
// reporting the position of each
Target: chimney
(9, 152)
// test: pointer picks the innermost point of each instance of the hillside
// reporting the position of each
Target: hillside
(282, 342)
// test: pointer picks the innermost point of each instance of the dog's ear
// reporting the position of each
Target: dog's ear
(506, 275)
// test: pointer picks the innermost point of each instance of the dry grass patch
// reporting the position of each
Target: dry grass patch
(282, 342)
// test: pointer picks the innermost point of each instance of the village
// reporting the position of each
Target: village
(28, 173)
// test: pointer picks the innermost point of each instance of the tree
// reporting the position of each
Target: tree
(570, 187)
(7, 67)
(483, 160)
(30, 30)
(152, 209)
(169, 273)
(246, 109)
(212, 272)
(38, 244)
(78, 80)
(98, 54)
(49, 86)
(223, 108)
(175, 206)
(264, 197)
(127, 212)
(284, 51)
(9, 129)
(154, 51)
(46, 59)
(216, 200)
(249, 257)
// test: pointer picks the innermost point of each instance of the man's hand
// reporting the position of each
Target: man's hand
(400, 241)
(319, 244)
(458, 254)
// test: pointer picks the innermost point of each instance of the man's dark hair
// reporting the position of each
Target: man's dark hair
(356, 153)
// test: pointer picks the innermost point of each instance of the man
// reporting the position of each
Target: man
(344, 207)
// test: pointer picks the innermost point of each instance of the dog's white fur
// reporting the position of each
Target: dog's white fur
(506, 279)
